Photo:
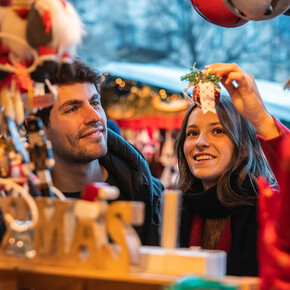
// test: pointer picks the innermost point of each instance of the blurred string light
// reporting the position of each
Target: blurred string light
(133, 90)
(118, 81)
(137, 88)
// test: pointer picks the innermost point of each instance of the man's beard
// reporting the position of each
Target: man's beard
(81, 156)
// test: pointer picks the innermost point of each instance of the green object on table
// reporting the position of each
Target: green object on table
(194, 282)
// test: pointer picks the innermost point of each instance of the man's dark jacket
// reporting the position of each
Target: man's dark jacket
(131, 172)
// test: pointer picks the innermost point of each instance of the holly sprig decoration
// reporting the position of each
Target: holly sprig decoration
(195, 76)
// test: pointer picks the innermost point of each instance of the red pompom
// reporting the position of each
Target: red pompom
(92, 190)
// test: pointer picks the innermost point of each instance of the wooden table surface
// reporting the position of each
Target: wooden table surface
(19, 276)
(14, 276)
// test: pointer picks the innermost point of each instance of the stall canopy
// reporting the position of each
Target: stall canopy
(276, 100)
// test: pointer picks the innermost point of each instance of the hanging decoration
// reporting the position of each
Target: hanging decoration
(257, 10)
(216, 12)
(206, 92)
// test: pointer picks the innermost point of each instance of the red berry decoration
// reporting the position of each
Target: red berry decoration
(216, 12)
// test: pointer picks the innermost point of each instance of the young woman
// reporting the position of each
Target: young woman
(220, 158)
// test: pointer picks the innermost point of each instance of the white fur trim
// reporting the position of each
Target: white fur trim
(67, 28)
(48, 57)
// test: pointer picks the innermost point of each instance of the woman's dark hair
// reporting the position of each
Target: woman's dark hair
(81, 72)
(248, 159)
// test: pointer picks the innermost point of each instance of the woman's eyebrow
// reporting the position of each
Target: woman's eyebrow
(215, 123)
(191, 126)
(210, 124)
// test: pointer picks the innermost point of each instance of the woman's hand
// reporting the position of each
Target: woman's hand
(245, 97)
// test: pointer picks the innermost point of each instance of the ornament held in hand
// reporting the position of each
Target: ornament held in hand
(206, 92)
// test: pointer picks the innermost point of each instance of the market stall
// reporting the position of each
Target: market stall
(51, 241)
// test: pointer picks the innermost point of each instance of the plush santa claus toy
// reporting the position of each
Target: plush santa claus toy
(54, 29)
(51, 27)
(35, 36)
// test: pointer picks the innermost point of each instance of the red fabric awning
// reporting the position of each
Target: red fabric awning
(154, 122)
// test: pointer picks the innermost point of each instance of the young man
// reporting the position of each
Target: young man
(86, 151)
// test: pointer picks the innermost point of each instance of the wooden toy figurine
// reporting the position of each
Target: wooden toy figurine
(40, 151)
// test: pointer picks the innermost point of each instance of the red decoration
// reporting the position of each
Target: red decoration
(46, 21)
(153, 122)
(23, 13)
(23, 79)
(46, 50)
(63, 3)
(274, 230)
(216, 12)
(91, 191)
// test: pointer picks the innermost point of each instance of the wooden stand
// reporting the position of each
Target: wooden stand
(123, 264)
